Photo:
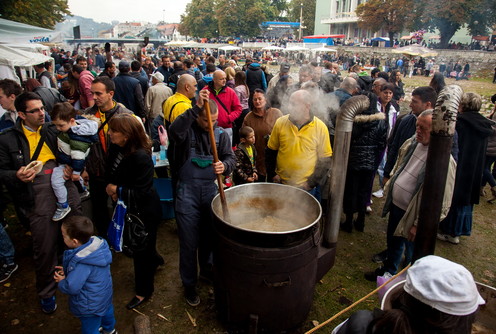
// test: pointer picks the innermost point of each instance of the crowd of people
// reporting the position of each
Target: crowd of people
(98, 130)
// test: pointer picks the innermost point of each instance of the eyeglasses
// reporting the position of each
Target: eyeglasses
(42, 109)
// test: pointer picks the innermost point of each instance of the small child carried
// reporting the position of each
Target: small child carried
(246, 155)
(74, 141)
(85, 276)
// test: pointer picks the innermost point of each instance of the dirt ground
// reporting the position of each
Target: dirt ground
(20, 312)
(344, 283)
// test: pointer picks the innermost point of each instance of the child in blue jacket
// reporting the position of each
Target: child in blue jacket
(85, 276)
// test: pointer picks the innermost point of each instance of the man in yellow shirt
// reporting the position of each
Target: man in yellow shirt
(29, 140)
(299, 150)
(174, 106)
(181, 100)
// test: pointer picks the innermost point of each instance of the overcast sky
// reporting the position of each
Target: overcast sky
(129, 10)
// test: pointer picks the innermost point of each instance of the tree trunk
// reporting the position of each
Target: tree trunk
(391, 38)
(447, 30)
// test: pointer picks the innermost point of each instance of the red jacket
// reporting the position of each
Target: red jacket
(230, 101)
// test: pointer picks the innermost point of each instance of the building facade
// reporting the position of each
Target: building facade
(339, 17)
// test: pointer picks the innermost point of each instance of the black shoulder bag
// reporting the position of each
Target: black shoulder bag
(135, 234)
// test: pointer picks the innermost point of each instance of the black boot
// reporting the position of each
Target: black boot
(360, 222)
(347, 226)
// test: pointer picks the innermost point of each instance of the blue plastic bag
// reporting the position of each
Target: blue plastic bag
(116, 227)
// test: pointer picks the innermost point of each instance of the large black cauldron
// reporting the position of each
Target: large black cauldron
(265, 278)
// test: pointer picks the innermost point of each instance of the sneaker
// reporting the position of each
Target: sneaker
(372, 275)
(84, 195)
(60, 213)
(6, 270)
(368, 209)
(380, 257)
(113, 331)
(191, 296)
(448, 238)
(48, 305)
(379, 193)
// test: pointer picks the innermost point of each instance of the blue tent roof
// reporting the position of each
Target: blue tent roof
(281, 24)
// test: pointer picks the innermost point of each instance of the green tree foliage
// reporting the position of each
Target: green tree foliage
(449, 16)
(390, 15)
(242, 17)
(308, 14)
(238, 18)
(199, 20)
(41, 13)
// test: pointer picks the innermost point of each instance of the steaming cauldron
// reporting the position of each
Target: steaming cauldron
(266, 257)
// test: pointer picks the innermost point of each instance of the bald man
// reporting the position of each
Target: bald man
(227, 101)
(298, 152)
(181, 100)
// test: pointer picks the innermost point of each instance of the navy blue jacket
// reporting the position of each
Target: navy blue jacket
(255, 77)
(128, 92)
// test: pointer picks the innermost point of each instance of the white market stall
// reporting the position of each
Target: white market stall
(13, 57)
(20, 33)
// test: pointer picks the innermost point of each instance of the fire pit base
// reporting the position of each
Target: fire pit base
(267, 288)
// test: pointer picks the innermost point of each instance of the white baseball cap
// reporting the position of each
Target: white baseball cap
(444, 285)
(159, 76)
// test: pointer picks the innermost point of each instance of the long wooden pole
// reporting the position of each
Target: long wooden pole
(223, 201)
(357, 302)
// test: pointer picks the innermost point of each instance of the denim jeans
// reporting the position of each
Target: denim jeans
(487, 177)
(91, 324)
(396, 245)
(6, 247)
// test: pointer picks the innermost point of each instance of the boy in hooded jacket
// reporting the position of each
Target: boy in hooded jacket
(85, 276)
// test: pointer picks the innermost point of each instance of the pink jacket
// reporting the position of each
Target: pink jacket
(85, 80)
(230, 101)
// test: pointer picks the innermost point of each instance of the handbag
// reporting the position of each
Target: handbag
(126, 232)
(116, 228)
(135, 234)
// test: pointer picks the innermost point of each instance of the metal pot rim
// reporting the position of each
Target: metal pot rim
(236, 188)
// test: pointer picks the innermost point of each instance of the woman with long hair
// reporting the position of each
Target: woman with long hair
(261, 119)
(70, 89)
(395, 79)
(391, 109)
(437, 82)
(130, 172)
(242, 92)
(230, 73)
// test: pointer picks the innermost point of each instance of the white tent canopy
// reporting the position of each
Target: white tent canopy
(323, 49)
(229, 48)
(10, 57)
(33, 47)
(296, 48)
(20, 33)
(272, 47)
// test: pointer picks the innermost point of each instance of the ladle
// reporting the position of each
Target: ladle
(223, 201)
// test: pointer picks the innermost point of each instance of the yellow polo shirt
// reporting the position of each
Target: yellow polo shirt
(183, 105)
(33, 139)
(299, 150)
